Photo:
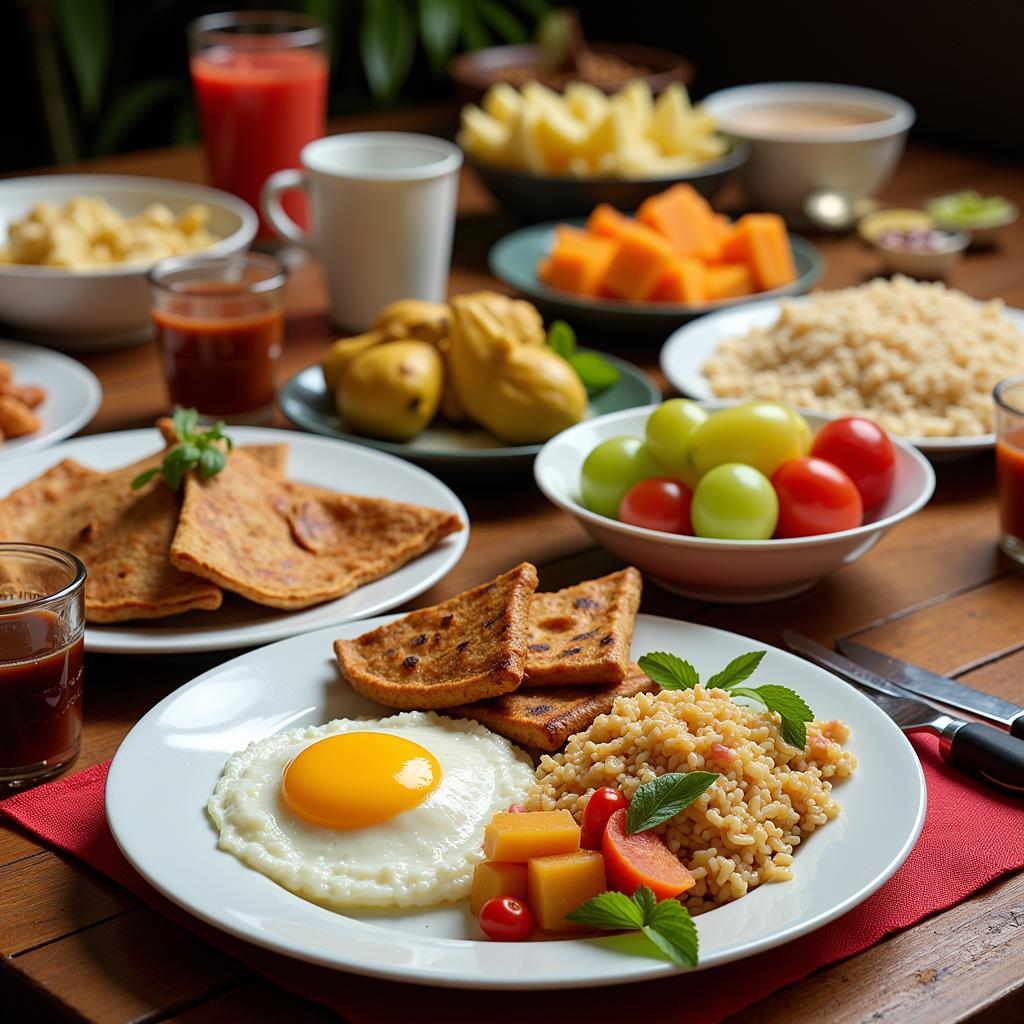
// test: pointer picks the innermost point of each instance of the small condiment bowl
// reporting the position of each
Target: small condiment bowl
(733, 571)
(892, 218)
(926, 264)
(983, 235)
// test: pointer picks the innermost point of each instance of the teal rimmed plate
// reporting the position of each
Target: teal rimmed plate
(514, 260)
(304, 399)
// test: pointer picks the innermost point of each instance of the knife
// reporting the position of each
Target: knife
(929, 684)
(989, 754)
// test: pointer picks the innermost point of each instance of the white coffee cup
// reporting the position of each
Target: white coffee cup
(382, 213)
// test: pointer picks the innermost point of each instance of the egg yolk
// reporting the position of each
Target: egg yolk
(356, 779)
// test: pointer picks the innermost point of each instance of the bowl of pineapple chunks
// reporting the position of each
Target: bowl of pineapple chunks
(544, 154)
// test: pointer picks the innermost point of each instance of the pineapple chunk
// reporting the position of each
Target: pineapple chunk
(558, 884)
(640, 159)
(518, 837)
(586, 102)
(636, 97)
(483, 135)
(607, 136)
(493, 878)
(541, 96)
(669, 126)
(559, 137)
(522, 149)
(502, 102)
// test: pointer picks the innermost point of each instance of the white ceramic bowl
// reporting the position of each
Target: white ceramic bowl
(787, 165)
(76, 310)
(721, 570)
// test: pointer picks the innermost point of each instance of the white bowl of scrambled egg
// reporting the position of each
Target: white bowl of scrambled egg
(75, 249)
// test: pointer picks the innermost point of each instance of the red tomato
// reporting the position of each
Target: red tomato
(658, 504)
(641, 859)
(815, 496)
(864, 452)
(602, 804)
(505, 919)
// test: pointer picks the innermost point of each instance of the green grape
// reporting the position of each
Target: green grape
(761, 434)
(611, 469)
(669, 429)
(735, 502)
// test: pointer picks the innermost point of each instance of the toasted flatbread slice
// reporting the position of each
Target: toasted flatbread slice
(467, 648)
(546, 718)
(121, 535)
(288, 545)
(580, 636)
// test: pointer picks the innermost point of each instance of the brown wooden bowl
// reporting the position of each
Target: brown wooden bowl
(473, 73)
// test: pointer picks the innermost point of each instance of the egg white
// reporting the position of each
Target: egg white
(421, 857)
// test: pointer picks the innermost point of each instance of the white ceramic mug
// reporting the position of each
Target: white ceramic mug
(382, 213)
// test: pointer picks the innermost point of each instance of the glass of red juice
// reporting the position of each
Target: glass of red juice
(42, 623)
(1009, 396)
(260, 79)
(219, 328)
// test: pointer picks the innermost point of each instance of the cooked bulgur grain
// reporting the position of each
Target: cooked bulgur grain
(742, 831)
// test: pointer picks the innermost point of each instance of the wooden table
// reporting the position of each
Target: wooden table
(935, 591)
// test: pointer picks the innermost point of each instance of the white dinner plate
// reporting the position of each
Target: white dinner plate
(690, 347)
(320, 461)
(162, 828)
(73, 395)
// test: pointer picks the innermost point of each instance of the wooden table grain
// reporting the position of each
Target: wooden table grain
(935, 591)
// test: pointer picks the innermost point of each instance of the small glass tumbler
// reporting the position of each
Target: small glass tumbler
(219, 327)
(42, 626)
(1009, 397)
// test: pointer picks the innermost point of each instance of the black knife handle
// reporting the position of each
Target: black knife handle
(989, 754)
(1017, 727)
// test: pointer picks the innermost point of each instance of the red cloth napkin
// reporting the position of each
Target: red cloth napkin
(971, 836)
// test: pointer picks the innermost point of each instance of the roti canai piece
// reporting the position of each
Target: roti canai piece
(289, 545)
(121, 535)
(545, 718)
(580, 636)
(465, 649)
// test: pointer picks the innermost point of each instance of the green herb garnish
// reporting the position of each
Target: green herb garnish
(664, 797)
(596, 373)
(195, 449)
(672, 673)
(667, 924)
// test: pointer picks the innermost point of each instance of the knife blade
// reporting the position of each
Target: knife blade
(989, 754)
(930, 684)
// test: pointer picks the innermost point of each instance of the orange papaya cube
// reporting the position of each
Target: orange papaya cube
(681, 281)
(606, 220)
(728, 281)
(558, 884)
(518, 837)
(493, 878)
(578, 261)
(638, 263)
(720, 228)
(760, 240)
(681, 215)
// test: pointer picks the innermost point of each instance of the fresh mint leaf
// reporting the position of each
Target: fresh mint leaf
(561, 338)
(196, 449)
(670, 927)
(737, 670)
(211, 462)
(669, 671)
(596, 373)
(664, 797)
(645, 899)
(792, 709)
(611, 911)
(185, 421)
(143, 478)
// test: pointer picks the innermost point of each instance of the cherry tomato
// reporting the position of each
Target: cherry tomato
(603, 803)
(815, 496)
(864, 452)
(505, 919)
(658, 504)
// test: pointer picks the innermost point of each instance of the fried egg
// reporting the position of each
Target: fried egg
(384, 813)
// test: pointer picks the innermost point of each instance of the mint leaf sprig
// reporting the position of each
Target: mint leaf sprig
(595, 372)
(666, 923)
(664, 797)
(673, 673)
(196, 449)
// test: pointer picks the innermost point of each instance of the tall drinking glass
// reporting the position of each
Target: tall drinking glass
(1009, 396)
(260, 79)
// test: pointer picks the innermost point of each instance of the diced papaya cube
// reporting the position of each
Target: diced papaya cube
(606, 220)
(638, 263)
(518, 837)
(578, 261)
(720, 228)
(682, 281)
(493, 878)
(683, 216)
(760, 240)
(558, 884)
(728, 281)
